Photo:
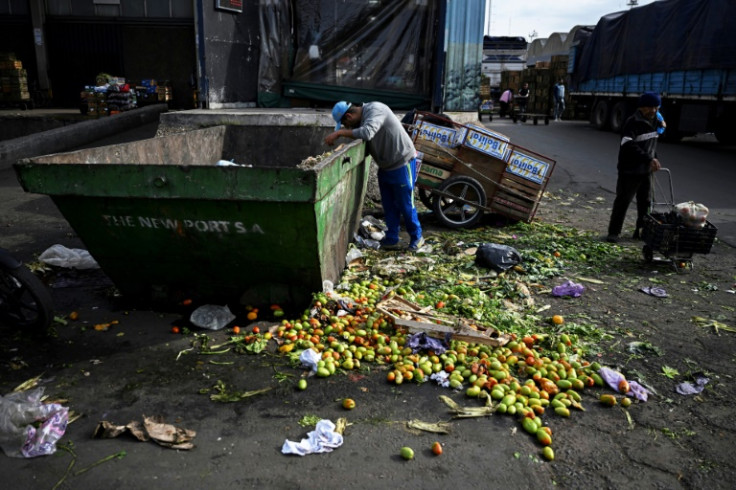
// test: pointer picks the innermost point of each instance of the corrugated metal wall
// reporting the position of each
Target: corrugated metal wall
(464, 54)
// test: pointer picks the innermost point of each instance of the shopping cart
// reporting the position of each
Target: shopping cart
(664, 232)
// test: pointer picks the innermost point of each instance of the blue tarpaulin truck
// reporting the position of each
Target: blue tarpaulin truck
(684, 50)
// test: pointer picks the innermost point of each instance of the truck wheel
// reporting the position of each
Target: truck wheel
(618, 116)
(462, 204)
(599, 117)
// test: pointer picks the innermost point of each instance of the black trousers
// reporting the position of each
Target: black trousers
(628, 187)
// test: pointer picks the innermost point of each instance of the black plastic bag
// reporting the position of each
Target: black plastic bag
(497, 257)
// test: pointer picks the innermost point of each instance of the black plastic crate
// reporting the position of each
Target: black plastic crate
(665, 233)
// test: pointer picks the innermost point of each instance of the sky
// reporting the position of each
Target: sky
(524, 17)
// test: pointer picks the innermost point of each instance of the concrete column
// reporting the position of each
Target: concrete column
(38, 16)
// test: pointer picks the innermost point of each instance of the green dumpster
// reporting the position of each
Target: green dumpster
(166, 220)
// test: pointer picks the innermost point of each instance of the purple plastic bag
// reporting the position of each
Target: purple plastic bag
(569, 288)
(612, 378)
(421, 341)
(688, 388)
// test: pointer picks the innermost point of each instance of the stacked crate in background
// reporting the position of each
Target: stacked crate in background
(541, 79)
(13, 80)
(512, 80)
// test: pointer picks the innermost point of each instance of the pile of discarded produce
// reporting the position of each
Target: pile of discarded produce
(443, 316)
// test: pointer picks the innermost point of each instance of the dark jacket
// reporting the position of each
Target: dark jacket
(638, 145)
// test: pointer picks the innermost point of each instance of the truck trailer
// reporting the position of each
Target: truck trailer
(680, 49)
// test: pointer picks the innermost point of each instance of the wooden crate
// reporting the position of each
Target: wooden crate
(424, 319)
(436, 162)
(522, 184)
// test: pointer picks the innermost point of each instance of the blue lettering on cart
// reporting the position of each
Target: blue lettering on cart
(486, 141)
(524, 165)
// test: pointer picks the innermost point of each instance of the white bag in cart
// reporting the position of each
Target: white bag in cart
(694, 215)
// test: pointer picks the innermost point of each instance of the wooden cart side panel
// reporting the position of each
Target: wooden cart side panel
(520, 187)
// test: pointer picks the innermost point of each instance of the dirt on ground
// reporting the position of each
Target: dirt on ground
(136, 367)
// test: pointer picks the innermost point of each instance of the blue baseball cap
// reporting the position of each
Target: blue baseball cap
(339, 111)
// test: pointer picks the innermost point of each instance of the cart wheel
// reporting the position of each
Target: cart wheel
(426, 197)
(536, 120)
(648, 253)
(453, 212)
(546, 120)
(490, 117)
(513, 118)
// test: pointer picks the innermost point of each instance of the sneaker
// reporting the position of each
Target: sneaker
(416, 244)
(612, 238)
(389, 245)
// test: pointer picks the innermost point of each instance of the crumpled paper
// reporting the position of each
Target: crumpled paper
(612, 378)
(688, 388)
(323, 439)
(568, 288)
(152, 429)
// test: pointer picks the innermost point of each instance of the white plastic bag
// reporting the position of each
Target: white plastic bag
(694, 215)
(28, 427)
(212, 317)
(71, 258)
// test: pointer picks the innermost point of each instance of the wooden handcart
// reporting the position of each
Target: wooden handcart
(468, 170)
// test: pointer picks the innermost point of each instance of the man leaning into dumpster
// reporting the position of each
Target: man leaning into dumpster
(637, 161)
(391, 147)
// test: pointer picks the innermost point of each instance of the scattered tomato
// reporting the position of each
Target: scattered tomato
(407, 453)
(186, 302)
(175, 329)
(74, 315)
(252, 315)
(302, 384)
(436, 448)
(236, 330)
(256, 329)
(348, 403)
(608, 399)
(558, 320)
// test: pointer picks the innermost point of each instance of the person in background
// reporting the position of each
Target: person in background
(506, 99)
(393, 150)
(523, 98)
(558, 93)
(637, 161)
